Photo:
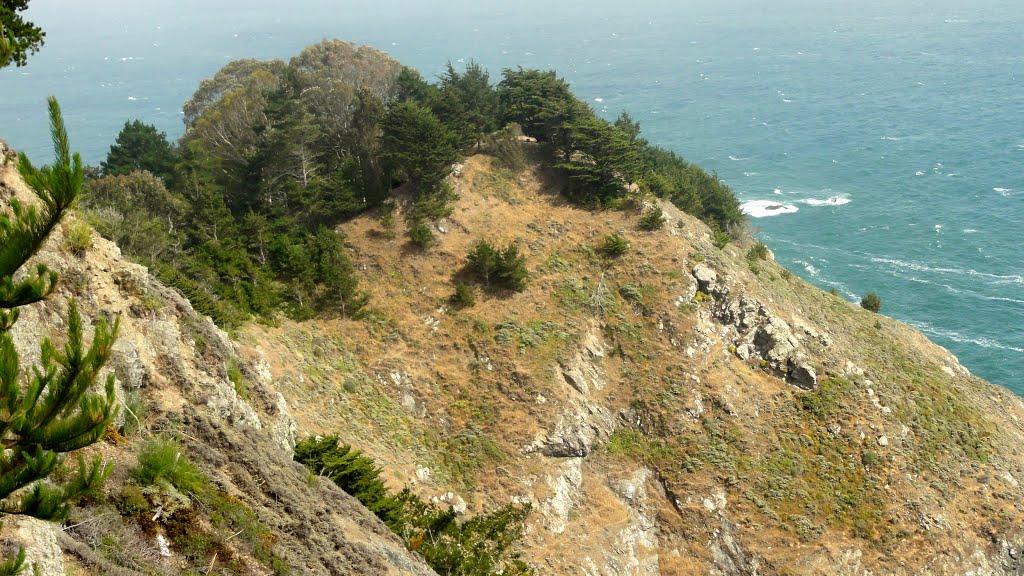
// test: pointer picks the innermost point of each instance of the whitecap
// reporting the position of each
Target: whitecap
(598, 100)
(808, 267)
(970, 231)
(892, 138)
(1003, 191)
(830, 201)
(132, 98)
(777, 191)
(963, 339)
(995, 278)
(765, 208)
(748, 174)
(919, 173)
(736, 158)
(787, 100)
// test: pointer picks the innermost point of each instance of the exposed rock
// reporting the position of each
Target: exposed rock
(578, 431)
(707, 278)
(803, 376)
(39, 538)
(566, 489)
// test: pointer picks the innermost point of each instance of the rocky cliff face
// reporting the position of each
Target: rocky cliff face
(179, 376)
(683, 409)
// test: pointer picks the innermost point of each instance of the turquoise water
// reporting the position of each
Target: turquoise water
(894, 129)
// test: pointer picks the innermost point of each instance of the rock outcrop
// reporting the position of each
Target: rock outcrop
(177, 363)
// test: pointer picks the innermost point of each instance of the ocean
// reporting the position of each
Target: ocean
(878, 144)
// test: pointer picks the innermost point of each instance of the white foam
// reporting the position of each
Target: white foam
(970, 231)
(1003, 191)
(748, 174)
(598, 100)
(736, 158)
(919, 173)
(777, 191)
(996, 278)
(830, 201)
(766, 208)
(962, 339)
(892, 138)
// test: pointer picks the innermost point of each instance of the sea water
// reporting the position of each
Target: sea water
(878, 145)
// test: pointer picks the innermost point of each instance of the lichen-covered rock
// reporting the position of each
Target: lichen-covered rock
(39, 539)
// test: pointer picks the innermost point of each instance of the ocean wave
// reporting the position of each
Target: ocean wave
(919, 267)
(748, 174)
(919, 173)
(1003, 191)
(765, 208)
(737, 158)
(830, 201)
(955, 336)
(810, 268)
(892, 138)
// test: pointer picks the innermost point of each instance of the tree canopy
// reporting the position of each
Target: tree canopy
(140, 146)
(18, 37)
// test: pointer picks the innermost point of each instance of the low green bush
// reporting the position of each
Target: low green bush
(164, 461)
(494, 268)
(463, 296)
(78, 238)
(757, 252)
(613, 246)
(871, 302)
(421, 235)
(652, 219)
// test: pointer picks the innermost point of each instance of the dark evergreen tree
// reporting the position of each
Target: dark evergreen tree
(539, 101)
(140, 146)
(417, 145)
(467, 103)
(603, 159)
(53, 410)
(18, 37)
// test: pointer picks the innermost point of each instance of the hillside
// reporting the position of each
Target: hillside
(514, 308)
(180, 377)
(681, 409)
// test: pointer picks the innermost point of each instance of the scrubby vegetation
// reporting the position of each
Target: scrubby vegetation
(237, 215)
(483, 545)
(613, 245)
(501, 269)
(871, 302)
(168, 494)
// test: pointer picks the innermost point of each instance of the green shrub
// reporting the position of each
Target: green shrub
(652, 219)
(164, 461)
(613, 246)
(78, 238)
(238, 380)
(421, 235)
(503, 269)
(463, 296)
(720, 239)
(131, 501)
(480, 546)
(757, 252)
(871, 302)
(387, 218)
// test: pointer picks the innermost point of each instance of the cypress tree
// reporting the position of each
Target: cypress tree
(51, 411)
